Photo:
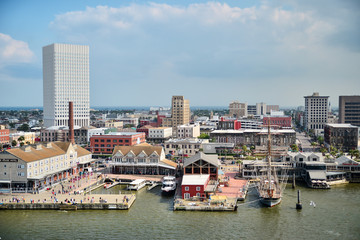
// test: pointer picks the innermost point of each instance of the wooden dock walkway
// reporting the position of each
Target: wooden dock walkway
(88, 202)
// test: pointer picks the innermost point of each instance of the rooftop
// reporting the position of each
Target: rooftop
(195, 179)
(341, 125)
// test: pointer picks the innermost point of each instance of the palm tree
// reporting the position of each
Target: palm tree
(239, 162)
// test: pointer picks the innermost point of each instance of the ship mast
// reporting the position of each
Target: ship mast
(269, 152)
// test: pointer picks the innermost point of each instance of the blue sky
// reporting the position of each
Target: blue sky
(143, 52)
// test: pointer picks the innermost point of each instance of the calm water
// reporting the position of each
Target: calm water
(336, 216)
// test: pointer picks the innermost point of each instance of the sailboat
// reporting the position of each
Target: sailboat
(269, 189)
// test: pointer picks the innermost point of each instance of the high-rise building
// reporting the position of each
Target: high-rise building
(261, 108)
(316, 112)
(180, 113)
(251, 110)
(349, 110)
(237, 109)
(65, 79)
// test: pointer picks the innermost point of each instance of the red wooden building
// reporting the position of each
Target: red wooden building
(194, 185)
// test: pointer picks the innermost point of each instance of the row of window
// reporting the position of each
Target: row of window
(109, 140)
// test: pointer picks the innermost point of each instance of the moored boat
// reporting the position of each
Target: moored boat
(269, 188)
(168, 184)
(137, 184)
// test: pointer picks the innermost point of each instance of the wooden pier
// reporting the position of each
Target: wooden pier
(87, 202)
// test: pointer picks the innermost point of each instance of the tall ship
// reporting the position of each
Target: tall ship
(269, 188)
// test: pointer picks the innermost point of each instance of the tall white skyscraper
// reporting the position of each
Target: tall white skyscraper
(316, 112)
(66, 78)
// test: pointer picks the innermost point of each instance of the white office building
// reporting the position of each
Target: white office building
(65, 79)
(316, 112)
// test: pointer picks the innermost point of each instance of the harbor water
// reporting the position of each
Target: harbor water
(335, 216)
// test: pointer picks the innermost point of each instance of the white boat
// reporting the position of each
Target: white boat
(137, 184)
(168, 184)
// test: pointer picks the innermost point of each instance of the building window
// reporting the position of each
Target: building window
(197, 188)
(96, 140)
(186, 188)
(186, 195)
(198, 194)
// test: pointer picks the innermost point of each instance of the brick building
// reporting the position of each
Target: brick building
(104, 144)
(283, 121)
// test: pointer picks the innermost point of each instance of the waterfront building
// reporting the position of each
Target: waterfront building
(180, 113)
(194, 185)
(33, 168)
(237, 109)
(342, 136)
(160, 134)
(105, 144)
(65, 79)
(349, 110)
(202, 163)
(316, 113)
(184, 147)
(255, 137)
(4, 135)
(188, 130)
(141, 159)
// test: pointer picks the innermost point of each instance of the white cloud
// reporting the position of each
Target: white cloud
(14, 51)
(213, 42)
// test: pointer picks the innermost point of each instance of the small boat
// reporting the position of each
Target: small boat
(168, 184)
(137, 184)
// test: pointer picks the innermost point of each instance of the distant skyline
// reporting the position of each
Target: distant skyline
(142, 53)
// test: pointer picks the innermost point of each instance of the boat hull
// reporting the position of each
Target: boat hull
(270, 202)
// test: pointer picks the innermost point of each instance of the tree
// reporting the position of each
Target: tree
(323, 151)
(21, 138)
(13, 143)
(320, 140)
(21, 144)
(204, 136)
(294, 148)
(25, 127)
(239, 162)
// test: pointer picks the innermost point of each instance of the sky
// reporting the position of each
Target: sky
(144, 52)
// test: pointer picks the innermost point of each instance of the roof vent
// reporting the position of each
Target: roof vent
(48, 145)
(38, 147)
(27, 149)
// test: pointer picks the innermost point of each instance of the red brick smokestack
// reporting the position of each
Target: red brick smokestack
(71, 123)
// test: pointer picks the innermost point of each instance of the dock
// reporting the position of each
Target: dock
(226, 204)
(236, 188)
(89, 202)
